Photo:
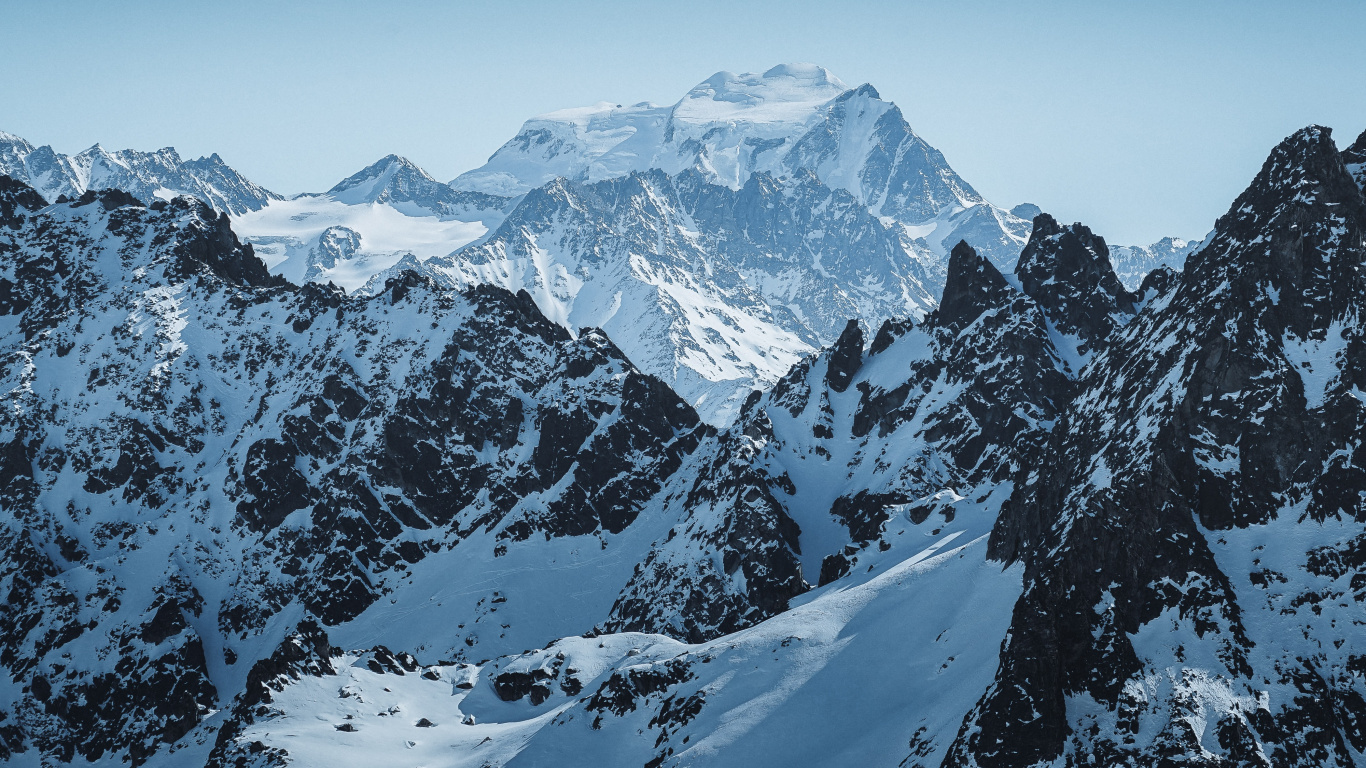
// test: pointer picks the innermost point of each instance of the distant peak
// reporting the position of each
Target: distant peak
(1026, 211)
(391, 161)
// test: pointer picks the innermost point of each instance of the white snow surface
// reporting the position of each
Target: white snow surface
(813, 686)
(286, 236)
(723, 124)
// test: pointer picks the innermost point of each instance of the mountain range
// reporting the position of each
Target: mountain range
(720, 239)
(1052, 518)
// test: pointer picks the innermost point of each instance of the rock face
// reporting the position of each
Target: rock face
(195, 452)
(1196, 595)
(1068, 271)
(1051, 521)
(148, 176)
(711, 289)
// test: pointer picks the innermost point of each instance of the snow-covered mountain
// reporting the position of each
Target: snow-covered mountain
(761, 212)
(1134, 262)
(1054, 521)
(367, 224)
(792, 119)
(773, 208)
(716, 291)
(147, 176)
(240, 454)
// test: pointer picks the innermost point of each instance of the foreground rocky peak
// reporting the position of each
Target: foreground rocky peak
(1068, 271)
(1189, 507)
(223, 467)
(974, 285)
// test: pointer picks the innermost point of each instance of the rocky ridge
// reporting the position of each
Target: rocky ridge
(1051, 520)
(148, 176)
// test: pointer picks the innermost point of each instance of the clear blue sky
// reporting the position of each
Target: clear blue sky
(1140, 119)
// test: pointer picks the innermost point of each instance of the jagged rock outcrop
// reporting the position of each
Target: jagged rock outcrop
(847, 451)
(196, 452)
(1191, 507)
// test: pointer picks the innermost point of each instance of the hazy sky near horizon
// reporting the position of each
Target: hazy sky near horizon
(1139, 119)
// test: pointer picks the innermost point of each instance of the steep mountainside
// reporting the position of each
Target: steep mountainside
(197, 456)
(147, 176)
(1166, 475)
(1198, 593)
(791, 120)
(714, 290)
(1050, 520)
(832, 546)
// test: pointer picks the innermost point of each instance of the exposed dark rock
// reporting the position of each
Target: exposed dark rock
(845, 357)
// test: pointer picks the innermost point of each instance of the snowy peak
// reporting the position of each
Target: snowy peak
(864, 145)
(791, 118)
(146, 175)
(772, 101)
(374, 179)
(399, 182)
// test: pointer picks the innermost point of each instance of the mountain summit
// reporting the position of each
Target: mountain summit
(730, 126)
(147, 176)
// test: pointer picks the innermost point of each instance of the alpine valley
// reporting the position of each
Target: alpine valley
(737, 432)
